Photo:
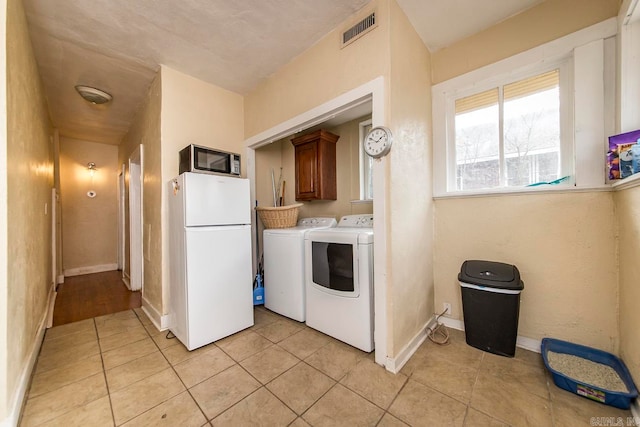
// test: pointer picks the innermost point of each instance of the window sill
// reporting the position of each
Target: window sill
(357, 202)
(623, 184)
(516, 191)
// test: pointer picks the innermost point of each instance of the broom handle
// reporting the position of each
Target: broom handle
(273, 186)
(282, 196)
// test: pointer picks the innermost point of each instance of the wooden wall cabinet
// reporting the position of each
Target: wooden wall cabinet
(315, 160)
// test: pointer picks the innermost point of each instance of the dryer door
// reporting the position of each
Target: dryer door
(332, 264)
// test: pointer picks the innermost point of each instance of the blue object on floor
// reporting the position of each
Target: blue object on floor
(258, 291)
(613, 398)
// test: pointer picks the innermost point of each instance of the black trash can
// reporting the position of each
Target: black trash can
(491, 305)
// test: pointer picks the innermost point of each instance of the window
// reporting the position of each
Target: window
(536, 117)
(366, 165)
(509, 135)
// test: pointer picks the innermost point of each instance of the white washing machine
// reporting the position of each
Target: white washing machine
(339, 281)
(284, 290)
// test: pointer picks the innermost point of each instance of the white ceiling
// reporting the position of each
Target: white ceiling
(117, 45)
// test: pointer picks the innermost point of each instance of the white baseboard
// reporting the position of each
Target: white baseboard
(528, 344)
(635, 409)
(51, 306)
(452, 323)
(90, 269)
(160, 321)
(522, 342)
(17, 400)
(60, 279)
(125, 279)
(394, 364)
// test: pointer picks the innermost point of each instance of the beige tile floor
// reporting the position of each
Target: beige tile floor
(120, 370)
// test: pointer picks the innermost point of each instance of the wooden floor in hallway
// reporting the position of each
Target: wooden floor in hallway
(92, 295)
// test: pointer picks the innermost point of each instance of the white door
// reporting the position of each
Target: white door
(136, 271)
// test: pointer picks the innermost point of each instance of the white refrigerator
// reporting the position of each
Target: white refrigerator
(211, 293)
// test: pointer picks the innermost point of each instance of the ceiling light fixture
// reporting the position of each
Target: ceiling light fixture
(93, 95)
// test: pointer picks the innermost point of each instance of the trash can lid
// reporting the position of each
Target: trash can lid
(491, 274)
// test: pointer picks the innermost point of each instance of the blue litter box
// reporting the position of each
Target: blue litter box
(613, 398)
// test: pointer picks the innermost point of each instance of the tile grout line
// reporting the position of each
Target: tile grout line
(104, 370)
(475, 382)
(394, 399)
(104, 374)
(257, 380)
(74, 382)
(177, 375)
(282, 373)
(188, 390)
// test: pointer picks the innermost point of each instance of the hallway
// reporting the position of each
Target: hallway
(92, 295)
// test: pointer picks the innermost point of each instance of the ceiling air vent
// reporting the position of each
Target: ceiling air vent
(359, 30)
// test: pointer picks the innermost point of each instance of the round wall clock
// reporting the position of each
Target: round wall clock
(378, 141)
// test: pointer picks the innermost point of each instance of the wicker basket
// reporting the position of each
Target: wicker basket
(279, 217)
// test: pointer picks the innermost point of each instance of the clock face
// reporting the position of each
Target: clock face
(378, 141)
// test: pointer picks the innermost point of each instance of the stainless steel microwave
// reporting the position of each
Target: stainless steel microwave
(195, 158)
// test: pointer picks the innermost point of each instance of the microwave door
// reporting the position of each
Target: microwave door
(219, 163)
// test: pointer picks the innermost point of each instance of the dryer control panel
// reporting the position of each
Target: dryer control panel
(356, 221)
(317, 222)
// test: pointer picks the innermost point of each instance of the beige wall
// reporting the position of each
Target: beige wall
(320, 74)
(196, 112)
(282, 154)
(267, 158)
(89, 225)
(146, 130)
(193, 112)
(627, 207)
(178, 110)
(543, 23)
(4, 401)
(410, 300)
(29, 179)
(564, 246)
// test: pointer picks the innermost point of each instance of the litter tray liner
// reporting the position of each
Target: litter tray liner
(608, 397)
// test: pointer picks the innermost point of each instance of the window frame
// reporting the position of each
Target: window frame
(564, 65)
(588, 52)
(364, 159)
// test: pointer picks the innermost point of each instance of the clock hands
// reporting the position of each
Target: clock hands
(378, 147)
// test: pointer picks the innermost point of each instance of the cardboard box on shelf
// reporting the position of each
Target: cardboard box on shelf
(617, 144)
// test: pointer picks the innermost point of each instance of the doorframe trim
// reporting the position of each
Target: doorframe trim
(137, 158)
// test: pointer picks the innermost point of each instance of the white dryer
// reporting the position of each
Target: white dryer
(339, 281)
(284, 289)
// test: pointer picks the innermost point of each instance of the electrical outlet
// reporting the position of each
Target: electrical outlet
(446, 307)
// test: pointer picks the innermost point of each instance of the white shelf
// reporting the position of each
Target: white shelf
(622, 184)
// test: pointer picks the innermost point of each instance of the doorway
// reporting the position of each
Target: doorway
(372, 92)
(136, 267)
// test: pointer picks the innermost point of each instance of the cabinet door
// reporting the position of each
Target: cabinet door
(316, 166)
(306, 171)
